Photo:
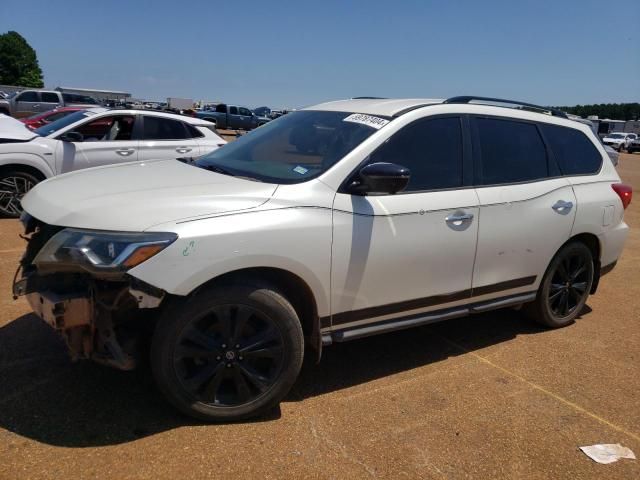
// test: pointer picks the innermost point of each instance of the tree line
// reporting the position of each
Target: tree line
(613, 111)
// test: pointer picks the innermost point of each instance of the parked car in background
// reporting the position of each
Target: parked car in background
(230, 116)
(40, 119)
(619, 140)
(30, 102)
(634, 145)
(337, 222)
(95, 137)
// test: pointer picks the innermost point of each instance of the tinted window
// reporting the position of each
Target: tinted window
(28, 97)
(49, 97)
(193, 131)
(233, 110)
(74, 98)
(431, 149)
(573, 151)
(156, 128)
(244, 111)
(509, 152)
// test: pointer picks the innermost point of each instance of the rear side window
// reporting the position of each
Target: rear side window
(572, 149)
(49, 97)
(431, 149)
(510, 152)
(193, 131)
(156, 128)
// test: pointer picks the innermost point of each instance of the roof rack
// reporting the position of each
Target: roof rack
(469, 99)
(369, 98)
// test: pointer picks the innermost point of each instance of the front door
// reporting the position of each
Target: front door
(106, 140)
(527, 208)
(398, 255)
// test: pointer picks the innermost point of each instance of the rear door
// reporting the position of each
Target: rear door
(167, 138)
(49, 101)
(527, 208)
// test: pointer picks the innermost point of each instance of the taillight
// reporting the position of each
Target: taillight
(625, 192)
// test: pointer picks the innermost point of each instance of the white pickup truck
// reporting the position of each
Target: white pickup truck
(29, 102)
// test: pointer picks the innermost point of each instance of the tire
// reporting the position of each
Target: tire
(14, 184)
(565, 287)
(210, 370)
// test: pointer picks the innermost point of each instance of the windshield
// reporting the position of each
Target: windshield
(294, 148)
(53, 127)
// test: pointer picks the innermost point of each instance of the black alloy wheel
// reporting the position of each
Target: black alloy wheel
(569, 284)
(565, 286)
(227, 353)
(229, 356)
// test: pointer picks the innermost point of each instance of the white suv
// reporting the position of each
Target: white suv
(619, 140)
(89, 138)
(339, 221)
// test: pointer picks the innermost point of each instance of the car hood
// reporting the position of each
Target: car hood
(14, 130)
(135, 196)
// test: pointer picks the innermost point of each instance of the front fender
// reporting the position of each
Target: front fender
(29, 159)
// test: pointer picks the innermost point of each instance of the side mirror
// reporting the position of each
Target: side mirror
(72, 137)
(381, 177)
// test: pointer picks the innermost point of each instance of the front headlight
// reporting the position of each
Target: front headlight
(100, 252)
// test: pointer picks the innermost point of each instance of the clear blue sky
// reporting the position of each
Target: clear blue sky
(294, 53)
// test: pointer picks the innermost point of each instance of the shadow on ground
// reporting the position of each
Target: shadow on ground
(45, 397)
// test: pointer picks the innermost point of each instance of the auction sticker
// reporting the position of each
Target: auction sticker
(368, 120)
(300, 170)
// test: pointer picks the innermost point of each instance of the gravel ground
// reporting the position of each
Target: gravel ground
(492, 396)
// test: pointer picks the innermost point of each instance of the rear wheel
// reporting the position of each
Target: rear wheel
(14, 184)
(229, 353)
(565, 287)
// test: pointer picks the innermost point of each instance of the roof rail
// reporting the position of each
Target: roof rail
(469, 99)
(369, 98)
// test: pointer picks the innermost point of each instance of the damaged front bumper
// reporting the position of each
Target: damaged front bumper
(99, 320)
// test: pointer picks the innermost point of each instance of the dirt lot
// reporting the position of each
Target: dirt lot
(488, 397)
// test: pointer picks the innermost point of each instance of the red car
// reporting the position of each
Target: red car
(40, 119)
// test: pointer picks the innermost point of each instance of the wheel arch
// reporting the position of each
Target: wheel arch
(36, 172)
(292, 286)
(26, 162)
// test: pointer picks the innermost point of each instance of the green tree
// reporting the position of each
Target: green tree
(18, 62)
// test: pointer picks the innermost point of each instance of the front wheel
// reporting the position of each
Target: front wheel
(565, 286)
(14, 184)
(229, 353)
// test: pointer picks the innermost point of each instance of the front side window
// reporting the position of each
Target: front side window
(157, 128)
(509, 152)
(63, 122)
(28, 97)
(108, 129)
(294, 148)
(431, 149)
(244, 111)
(573, 151)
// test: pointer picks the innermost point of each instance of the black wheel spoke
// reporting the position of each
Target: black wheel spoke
(580, 286)
(259, 340)
(579, 271)
(188, 351)
(565, 303)
(224, 318)
(268, 352)
(562, 271)
(242, 316)
(577, 296)
(242, 387)
(197, 381)
(199, 338)
(555, 296)
(218, 375)
(255, 378)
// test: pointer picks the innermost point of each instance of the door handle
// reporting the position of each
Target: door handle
(36, 105)
(562, 207)
(183, 149)
(459, 217)
(125, 152)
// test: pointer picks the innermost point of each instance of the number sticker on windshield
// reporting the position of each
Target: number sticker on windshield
(368, 120)
(300, 170)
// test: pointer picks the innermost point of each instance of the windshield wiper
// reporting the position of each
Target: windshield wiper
(217, 169)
